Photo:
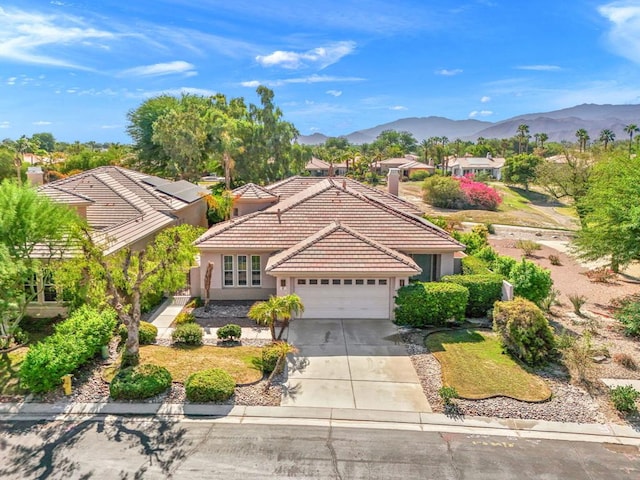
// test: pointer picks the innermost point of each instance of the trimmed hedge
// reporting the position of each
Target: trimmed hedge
(430, 303)
(185, 317)
(147, 333)
(75, 341)
(213, 385)
(524, 330)
(230, 331)
(484, 291)
(188, 333)
(474, 266)
(503, 265)
(139, 382)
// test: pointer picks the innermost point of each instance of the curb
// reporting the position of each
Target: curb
(332, 417)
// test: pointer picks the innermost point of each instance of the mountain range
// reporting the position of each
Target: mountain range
(558, 125)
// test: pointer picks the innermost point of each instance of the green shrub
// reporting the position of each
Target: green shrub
(474, 266)
(230, 331)
(419, 175)
(441, 222)
(139, 382)
(270, 355)
(150, 300)
(629, 316)
(195, 303)
(474, 241)
(524, 330)
(74, 342)
(484, 291)
(448, 394)
(431, 303)
(184, 317)
(486, 254)
(444, 192)
(530, 281)
(214, 385)
(503, 265)
(188, 333)
(578, 302)
(624, 398)
(528, 246)
(147, 333)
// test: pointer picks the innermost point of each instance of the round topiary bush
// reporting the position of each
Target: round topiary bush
(270, 355)
(188, 333)
(229, 332)
(214, 385)
(147, 333)
(140, 382)
(185, 317)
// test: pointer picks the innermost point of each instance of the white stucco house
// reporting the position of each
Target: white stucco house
(343, 247)
(461, 166)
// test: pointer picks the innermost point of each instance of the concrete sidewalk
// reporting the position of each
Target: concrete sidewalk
(336, 417)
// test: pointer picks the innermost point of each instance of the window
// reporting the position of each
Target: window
(49, 288)
(242, 270)
(382, 281)
(283, 282)
(359, 281)
(348, 282)
(371, 281)
(335, 281)
(427, 263)
(402, 283)
(255, 271)
(324, 281)
(302, 281)
(313, 281)
(228, 270)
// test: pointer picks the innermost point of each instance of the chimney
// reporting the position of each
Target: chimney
(35, 175)
(393, 181)
(489, 156)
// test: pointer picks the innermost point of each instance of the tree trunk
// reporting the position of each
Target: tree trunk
(131, 354)
(227, 170)
(285, 324)
(207, 285)
(272, 329)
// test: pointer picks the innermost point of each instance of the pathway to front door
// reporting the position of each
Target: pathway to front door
(358, 364)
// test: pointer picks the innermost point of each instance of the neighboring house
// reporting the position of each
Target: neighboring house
(320, 168)
(413, 166)
(343, 247)
(461, 166)
(383, 166)
(124, 208)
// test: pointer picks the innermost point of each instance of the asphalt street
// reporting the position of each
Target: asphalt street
(129, 448)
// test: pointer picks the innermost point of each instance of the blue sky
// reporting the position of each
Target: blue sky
(76, 67)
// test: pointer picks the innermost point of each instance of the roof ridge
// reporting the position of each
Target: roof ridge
(136, 202)
(224, 226)
(149, 188)
(240, 190)
(301, 196)
(68, 192)
(308, 242)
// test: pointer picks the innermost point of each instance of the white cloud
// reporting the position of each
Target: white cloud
(320, 57)
(335, 93)
(485, 99)
(309, 79)
(41, 122)
(540, 68)
(624, 36)
(480, 113)
(5, 124)
(398, 107)
(158, 69)
(449, 72)
(24, 37)
(11, 80)
(110, 127)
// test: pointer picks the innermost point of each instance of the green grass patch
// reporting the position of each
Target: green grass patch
(9, 369)
(242, 363)
(474, 364)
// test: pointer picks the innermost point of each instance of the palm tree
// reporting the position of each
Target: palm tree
(23, 145)
(276, 308)
(607, 136)
(631, 129)
(543, 138)
(536, 136)
(523, 135)
(583, 138)
(283, 349)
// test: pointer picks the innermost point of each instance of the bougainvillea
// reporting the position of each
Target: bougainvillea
(479, 195)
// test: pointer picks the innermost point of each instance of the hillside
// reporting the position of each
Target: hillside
(558, 125)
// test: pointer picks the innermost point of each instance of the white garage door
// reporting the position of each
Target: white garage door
(344, 298)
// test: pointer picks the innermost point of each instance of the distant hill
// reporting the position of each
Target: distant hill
(558, 124)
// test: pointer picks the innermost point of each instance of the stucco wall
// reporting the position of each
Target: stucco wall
(446, 266)
(194, 214)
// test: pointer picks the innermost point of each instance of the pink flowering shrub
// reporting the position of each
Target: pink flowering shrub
(479, 195)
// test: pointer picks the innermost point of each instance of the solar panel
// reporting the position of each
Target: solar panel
(183, 190)
(155, 181)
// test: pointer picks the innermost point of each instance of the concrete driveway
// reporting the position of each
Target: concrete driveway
(351, 364)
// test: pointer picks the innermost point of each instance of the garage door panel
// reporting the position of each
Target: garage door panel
(344, 301)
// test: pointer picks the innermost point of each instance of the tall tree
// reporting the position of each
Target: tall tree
(611, 225)
(606, 137)
(631, 129)
(521, 169)
(522, 135)
(34, 234)
(276, 309)
(543, 137)
(23, 146)
(583, 138)
(45, 140)
(124, 277)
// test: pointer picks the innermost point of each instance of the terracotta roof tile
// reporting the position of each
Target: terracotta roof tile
(252, 191)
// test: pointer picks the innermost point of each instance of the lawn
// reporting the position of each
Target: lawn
(242, 363)
(9, 368)
(473, 362)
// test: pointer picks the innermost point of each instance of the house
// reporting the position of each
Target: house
(383, 166)
(319, 168)
(461, 166)
(124, 208)
(345, 248)
(413, 166)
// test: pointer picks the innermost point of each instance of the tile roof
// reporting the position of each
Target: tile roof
(317, 164)
(415, 164)
(294, 185)
(477, 162)
(251, 191)
(340, 249)
(299, 216)
(121, 207)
